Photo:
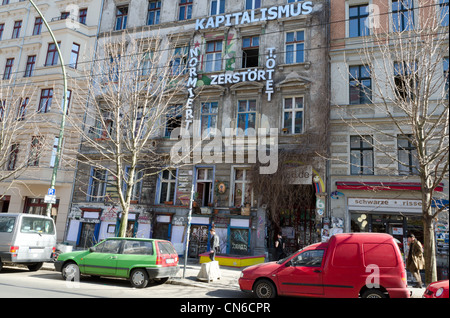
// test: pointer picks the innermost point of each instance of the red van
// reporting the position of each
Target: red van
(349, 265)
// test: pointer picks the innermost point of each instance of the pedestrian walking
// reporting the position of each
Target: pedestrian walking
(415, 261)
(279, 247)
(214, 244)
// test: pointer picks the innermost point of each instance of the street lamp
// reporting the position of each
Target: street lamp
(64, 109)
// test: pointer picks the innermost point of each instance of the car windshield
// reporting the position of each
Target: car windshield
(281, 261)
(37, 225)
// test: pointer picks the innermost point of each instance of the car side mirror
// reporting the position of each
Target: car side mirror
(92, 249)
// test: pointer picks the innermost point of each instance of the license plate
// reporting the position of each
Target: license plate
(170, 261)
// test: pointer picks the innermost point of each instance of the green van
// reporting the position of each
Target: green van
(139, 260)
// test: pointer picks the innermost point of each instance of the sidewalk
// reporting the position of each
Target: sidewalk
(229, 277)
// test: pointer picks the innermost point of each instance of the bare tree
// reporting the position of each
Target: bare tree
(409, 89)
(135, 94)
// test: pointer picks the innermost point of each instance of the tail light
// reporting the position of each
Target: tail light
(404, 277)
(13, 249)
(159, 260)
(54, 249)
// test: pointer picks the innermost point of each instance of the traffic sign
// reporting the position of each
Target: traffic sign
(51, 191)
(50, 199)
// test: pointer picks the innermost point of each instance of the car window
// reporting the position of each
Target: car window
(309, 258)
(138, 247)
(7, 224)
(37, 225)
(108, 246)
(166, 248)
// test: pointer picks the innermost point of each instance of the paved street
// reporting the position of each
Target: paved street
(21, 283)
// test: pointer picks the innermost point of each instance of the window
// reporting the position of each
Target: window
(12, 159)
(22, 108)
(361, 155)
(108, 246)
(250, 51)
(97, 185)
(37, 26)
(5, 2)
(179, 60)
(217, 7)
(309, 258)
(246, 117)
(252, 4)
(8, 68)
(407, 156)
(54, 152)
(402, 15)
(360, 85)
(446, 76)
(138, 247)
(167, 184)
(31, 61)
(35, 151)
(213, 56)
(68, 98)
(154, 11)
(209, 118)
(37, 225)
(147, 63)
(293, 115)
(295, 47)
(82, 15)
(204, 186)
(121, 18)
(173, 119)
(74, 55)
(358, 25)
(45, 101)
(185, 10)
(2, 109)
(242, 190)
(444, 12)
(137, 186)
(405, 80)
(2, 27)
(52, 54)
(16, 29)
(104, 125)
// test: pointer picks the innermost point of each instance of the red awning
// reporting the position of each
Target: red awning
(383, 186)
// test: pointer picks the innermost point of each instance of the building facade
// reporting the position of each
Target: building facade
(31, 95)
(374, 182)
(248, 66)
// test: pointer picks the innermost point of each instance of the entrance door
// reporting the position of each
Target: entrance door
(86, 235)
(198, 241)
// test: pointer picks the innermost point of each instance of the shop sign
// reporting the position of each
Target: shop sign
(250, 16)
(298, 175)
(385, 205)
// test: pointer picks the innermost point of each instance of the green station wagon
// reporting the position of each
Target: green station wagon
(139, 260)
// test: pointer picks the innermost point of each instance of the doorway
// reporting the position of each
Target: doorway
(87, 235)
(198, 241)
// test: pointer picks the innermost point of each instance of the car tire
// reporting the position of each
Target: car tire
(71, 272)
(139, 278)
(35, 266)
(373, 293)
(264, 288)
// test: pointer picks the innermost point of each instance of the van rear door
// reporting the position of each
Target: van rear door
(36, 238)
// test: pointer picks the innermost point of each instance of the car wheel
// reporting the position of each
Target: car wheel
(373, 293)
(71, 272)
(264, 289)
(35, 266)
(139, 278)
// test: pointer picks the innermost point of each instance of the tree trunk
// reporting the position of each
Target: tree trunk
(429, 249)
(123, 224)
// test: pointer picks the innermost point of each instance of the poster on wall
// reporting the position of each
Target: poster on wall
(239, 241)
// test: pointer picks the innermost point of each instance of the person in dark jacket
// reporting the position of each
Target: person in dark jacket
(214, 244)
(415, 261)
(279, 247)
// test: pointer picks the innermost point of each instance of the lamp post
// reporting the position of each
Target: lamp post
(64, 108)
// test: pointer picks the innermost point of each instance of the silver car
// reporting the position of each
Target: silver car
(26, 239)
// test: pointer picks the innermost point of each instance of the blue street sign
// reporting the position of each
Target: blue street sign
(51, 191)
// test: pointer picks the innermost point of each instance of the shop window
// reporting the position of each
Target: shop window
(209, 119)
(360, 85)
(242, 189)
(293, 115)
(239, 241)
(408, 162)
(250, 51)
(213, 56)
(97, 185)
(246, 116)
(402, 15)
(361, 155)
(167, 184)
(358, 20)
(204, 186)
(295, 47)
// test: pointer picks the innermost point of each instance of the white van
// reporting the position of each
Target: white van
(26, 239)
